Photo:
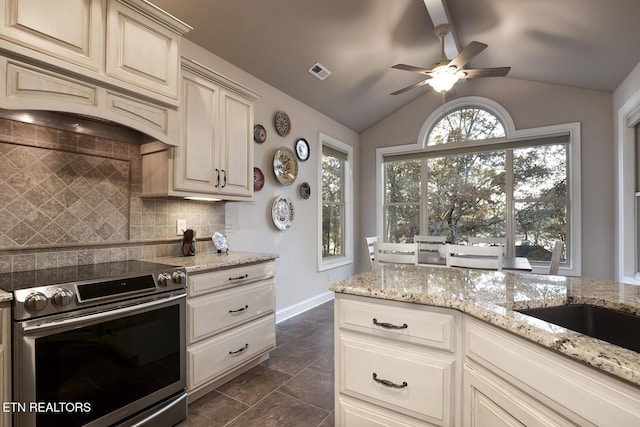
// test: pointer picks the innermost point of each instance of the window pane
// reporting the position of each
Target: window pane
(402, 223)
(540, 172)
(538, 226)
(402, 181)
(332, 230)
(466, 124)
(466, 196)
(332, 206)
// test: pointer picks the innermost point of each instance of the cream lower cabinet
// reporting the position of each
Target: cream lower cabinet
(231, 324)
(509, 381)
(396, 364)
(5, 361)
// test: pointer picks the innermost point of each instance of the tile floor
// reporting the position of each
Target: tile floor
(293, 388)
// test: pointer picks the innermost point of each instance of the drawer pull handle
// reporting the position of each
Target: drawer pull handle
(389, 325)
(389, 383)
(239, 310)
(240, 350)
(244, 276)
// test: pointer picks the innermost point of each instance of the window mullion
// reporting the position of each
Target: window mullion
(510, 205)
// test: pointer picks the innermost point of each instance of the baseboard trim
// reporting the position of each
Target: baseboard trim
(303, 306)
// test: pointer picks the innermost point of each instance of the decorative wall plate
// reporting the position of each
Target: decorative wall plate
(282, 123)
(282, 213)
(305, 190)
(259, 134)
(258, 179)
(285, 166)
(302, 149)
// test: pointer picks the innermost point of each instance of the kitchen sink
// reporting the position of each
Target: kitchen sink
(605, 324)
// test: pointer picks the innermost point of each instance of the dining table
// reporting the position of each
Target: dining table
(508, 263)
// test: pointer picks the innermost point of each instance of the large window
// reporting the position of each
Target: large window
(471, 180)
(336, 205)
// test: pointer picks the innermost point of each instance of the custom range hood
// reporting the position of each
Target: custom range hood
(78, 123)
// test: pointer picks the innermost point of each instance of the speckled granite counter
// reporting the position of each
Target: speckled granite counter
(5, 296)
(493, 297)
(212, 261)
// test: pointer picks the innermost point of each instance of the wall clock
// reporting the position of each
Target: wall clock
(282, 123)
(302, 149)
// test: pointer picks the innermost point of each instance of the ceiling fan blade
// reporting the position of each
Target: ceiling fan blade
(486, 72)
(398, 92)
(467, 54)
(412, 69)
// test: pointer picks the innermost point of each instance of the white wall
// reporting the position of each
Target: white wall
(531, 105)
(299, 285)
(625, 99)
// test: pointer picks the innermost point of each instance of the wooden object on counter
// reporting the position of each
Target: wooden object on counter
(230, 323)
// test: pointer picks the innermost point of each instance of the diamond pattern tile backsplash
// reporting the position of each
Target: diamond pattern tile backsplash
(70, 198)
(50, 196)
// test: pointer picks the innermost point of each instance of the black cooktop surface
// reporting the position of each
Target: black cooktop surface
(79, 273)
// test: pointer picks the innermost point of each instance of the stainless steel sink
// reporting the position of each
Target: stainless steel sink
(605, 324)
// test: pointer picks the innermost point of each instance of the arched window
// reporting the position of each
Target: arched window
(473, 179)
(466, 124)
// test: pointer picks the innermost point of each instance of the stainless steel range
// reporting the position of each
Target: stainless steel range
(99, 345)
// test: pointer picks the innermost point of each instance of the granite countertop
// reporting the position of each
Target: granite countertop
(493, 296)
(212, 261)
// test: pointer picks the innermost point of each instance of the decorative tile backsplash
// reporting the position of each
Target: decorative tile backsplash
(68, 198)
(49, 196)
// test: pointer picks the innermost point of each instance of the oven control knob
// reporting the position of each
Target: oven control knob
(35, 301)
(62, 297)
(178, 277)
(164, 279)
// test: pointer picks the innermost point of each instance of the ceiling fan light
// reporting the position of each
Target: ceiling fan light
(443, 78)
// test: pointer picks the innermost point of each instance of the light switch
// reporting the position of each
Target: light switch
(181, 226)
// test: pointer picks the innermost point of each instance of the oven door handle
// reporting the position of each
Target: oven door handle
(26, 330)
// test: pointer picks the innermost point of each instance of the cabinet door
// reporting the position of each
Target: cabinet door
(71, 30)
(235, 149)
(194, 161)
(141, 51)
(5, 360)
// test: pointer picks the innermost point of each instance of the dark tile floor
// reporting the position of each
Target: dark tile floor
(293, 388)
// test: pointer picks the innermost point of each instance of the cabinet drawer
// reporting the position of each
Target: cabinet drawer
(427, 394)
(424, 328)
(202, 283)
(213, 313)
(213, 358)
(355, 413)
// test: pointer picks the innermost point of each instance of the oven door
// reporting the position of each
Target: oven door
(100, 367)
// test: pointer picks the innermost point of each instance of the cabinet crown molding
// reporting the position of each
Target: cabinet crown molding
(225, 82)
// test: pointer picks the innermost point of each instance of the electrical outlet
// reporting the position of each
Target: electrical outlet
(181, 226)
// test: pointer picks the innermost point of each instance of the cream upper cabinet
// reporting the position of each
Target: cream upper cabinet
(142, 50)
(129, 45)
(71, 30)
(215, 157)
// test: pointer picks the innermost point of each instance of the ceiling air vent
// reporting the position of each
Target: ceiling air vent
(320, 71)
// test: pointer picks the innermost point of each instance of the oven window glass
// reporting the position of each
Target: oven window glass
(108, 365)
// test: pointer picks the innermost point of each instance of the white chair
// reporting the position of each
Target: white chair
(556, 254)
(489, 241)
(484, 257)
(429, 243)
(395, 253)
(370, 241)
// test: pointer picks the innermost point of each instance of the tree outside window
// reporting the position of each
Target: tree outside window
(333, 202)
(461, 188)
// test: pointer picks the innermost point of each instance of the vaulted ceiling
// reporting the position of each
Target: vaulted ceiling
(591, 44)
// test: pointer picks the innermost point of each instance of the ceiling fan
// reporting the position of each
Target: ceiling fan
(445, 73)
